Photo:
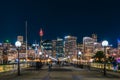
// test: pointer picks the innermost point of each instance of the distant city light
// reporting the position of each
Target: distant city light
(7, 41)
(67, 37)
(0, 44)
(40, 53)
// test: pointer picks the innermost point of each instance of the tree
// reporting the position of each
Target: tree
(99, 55)
(110, 59)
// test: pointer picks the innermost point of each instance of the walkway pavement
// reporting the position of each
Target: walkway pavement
(59, 73)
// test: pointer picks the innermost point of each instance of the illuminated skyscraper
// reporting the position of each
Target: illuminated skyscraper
(54, 42)
(47, 44)
(88, 43)
(70, 45)
(59, 47)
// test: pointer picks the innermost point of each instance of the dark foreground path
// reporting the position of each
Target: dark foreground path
(58, 73)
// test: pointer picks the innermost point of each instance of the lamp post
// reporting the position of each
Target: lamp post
(18, 45)
(40, 55)
(104, 44)
(80, 54)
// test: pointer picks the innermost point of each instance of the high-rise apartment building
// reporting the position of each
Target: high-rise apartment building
(88, 44)
(54, 42)
(59, 47)
(70, 45)
(47, 45)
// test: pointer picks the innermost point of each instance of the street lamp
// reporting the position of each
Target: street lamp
(105, 44)
(79, 54)
(18, 45)
(47, 56)
(40, 55)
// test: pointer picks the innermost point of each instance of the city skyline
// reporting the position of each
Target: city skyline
(60, 18)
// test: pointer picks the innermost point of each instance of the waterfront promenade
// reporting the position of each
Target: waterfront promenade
(60, 73)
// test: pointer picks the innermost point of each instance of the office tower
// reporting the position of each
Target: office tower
(70, 45)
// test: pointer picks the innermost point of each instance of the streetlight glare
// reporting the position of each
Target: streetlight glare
(40, 53)
(18, 44)
(46, 55)
(79, 53)
(105, 43)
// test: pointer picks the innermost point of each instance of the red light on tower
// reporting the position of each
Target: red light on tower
(41, 32)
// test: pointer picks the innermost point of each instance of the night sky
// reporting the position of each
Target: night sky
(59, 18)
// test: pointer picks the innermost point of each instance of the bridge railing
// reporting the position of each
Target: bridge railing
(97, 66)
(13, 66)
